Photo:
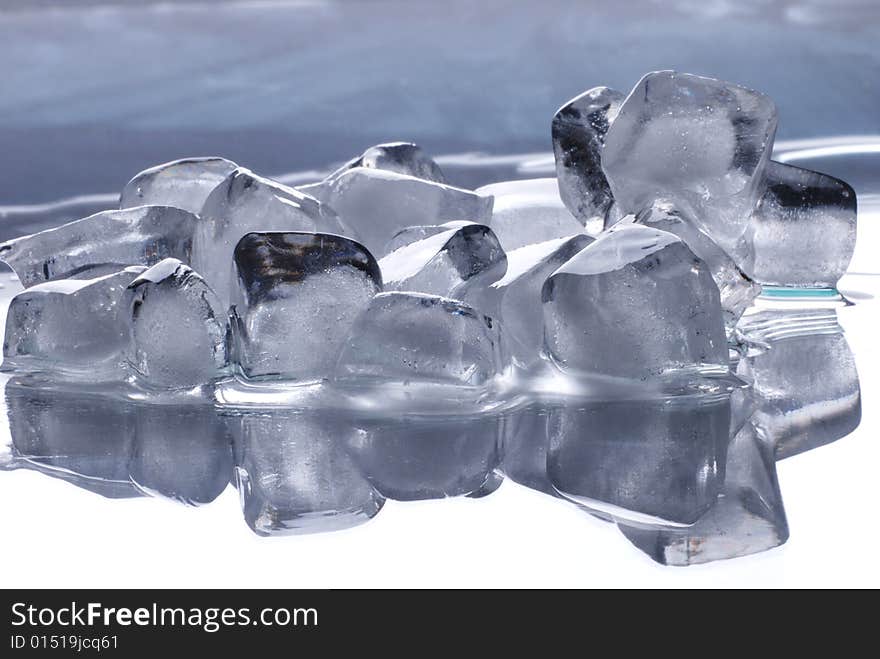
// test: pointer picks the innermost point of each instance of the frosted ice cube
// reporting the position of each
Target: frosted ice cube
(109, 241)
(244, 203)
(648, 461)
(377, 204)
(184, 183)
(737, 289)
(530, 211)
(178, 327)
(635, 303)
(181, 452)
(74, 327)
(424, 458)
(512, 295)
(699, 142)
(294, 474)
(297, 298)
(443, 262)
(409, 235)
(748, 516)
(804, 228)
(415, 337)
(578, 129)
(806, 384)
(400, 157)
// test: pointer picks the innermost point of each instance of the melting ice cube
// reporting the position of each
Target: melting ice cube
(804, 228)
(297, 297)
(578, 130)
(106, 242)
(442, 263)
(178, 327)
(699, 142)
(635, 303)
(74, 327)
(245, 203)
(184, 183)
(412, 337)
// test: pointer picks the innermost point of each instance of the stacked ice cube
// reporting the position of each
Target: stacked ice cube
(634, 264)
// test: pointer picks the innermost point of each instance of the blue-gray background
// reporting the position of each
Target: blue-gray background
(94, 91)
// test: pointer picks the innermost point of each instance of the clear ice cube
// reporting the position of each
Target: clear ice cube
(184, 183)
(737, 289)
(648, 461)
(699, 142)
(441, 263)
(295, 475)
(512, 295)
(634, 304)
(408, 337)
(530, 211)
(806, 385)
(578, 130)
(178, 327)
(804, 228)
(748, 516)
(400, 157)
(245, 203)
(106, 242)
(297, 297)
(423, 458)
(377, 204)
(73, 327)
(409, 235)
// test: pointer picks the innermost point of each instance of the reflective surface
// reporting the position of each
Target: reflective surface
(688, 477)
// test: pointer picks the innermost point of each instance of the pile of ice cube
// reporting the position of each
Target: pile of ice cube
(635, 264)
(636, 261)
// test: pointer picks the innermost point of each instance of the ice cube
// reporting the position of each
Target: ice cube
(294, 474)
(245, 203)
(530, 211)
(579, 128)
(81, 438)
(377, 204)
(184, 183)
(737, 289)
(806, 384)
(181, 452)
(73, 327)
(400, 157)
(699, 142)
(748, 516)
(423, 458)
(408, 337)
(297, 297)
(105, 242)
(804, 228)
(178, 327)
(409, 235)
(648, 461)
(634, 304)
(443, 262)
(512, 295)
